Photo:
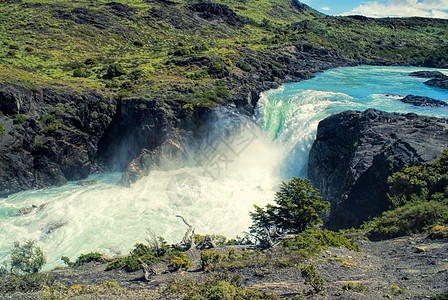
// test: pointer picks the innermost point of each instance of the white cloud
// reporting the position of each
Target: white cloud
(402, 8)
(325, 8)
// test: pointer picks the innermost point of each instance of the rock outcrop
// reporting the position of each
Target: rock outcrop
(423, 101)
(50, 135)
(427, 74)
(355, 152)
(438, 79)
(440, 83)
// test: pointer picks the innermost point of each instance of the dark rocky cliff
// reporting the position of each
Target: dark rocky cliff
(50, 135)
(355, 152)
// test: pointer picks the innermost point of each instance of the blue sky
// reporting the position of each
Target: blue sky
(382, 8)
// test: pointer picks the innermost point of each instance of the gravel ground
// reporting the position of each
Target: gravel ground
(403, 268)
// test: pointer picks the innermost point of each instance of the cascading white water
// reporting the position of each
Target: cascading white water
(217, 190)
(215, 194)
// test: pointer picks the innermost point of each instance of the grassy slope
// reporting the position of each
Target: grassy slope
(43, 42)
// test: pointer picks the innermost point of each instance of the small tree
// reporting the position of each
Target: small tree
(27, 258)
(298, 208)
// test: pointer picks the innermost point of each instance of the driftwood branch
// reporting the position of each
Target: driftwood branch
(147, 269)
(188, 239)
(270, 239)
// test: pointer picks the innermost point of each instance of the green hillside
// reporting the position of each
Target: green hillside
(77, 43)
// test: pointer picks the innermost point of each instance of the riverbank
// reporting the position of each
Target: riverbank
(412, 267)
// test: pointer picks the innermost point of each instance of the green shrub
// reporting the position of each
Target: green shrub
(91, 61)
(232, 254)
(27, 283)
(136, 74)
(19, 119)
(102, 106)
(243, 66)
(178, 261)
(198, 75)
(398, 291)
(406, 220)
(208, 96)
(420, 183)
(358, 287)
(81, 73)
(94, 115)
(218, 67)
(312, 241)
(51, 123)
(419, 199)
(221, 291)
(38, 145)
(221, 286)
(313, 278)
(27, 257)
(183, 51)
(222, 92)
(265, 23)
(83, 259)
(116, 264)
(210, 257)
(130, 263)
(115, 70)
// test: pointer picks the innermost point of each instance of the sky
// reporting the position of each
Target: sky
(382, 8)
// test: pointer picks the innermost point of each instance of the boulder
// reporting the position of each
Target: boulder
(423, 101)
(440, 83)
(87, 182)
(27, 210)
(428, 74)
(355, 152)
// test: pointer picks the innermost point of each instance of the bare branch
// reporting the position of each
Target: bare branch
(186, 223)
(188, 239)
(147, 269)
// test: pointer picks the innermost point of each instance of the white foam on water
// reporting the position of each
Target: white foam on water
(111, 219)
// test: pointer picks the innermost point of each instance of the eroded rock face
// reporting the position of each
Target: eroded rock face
(56, 138)
(355, 152)
(139, 123)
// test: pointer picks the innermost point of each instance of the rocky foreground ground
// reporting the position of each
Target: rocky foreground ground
(403, 268)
